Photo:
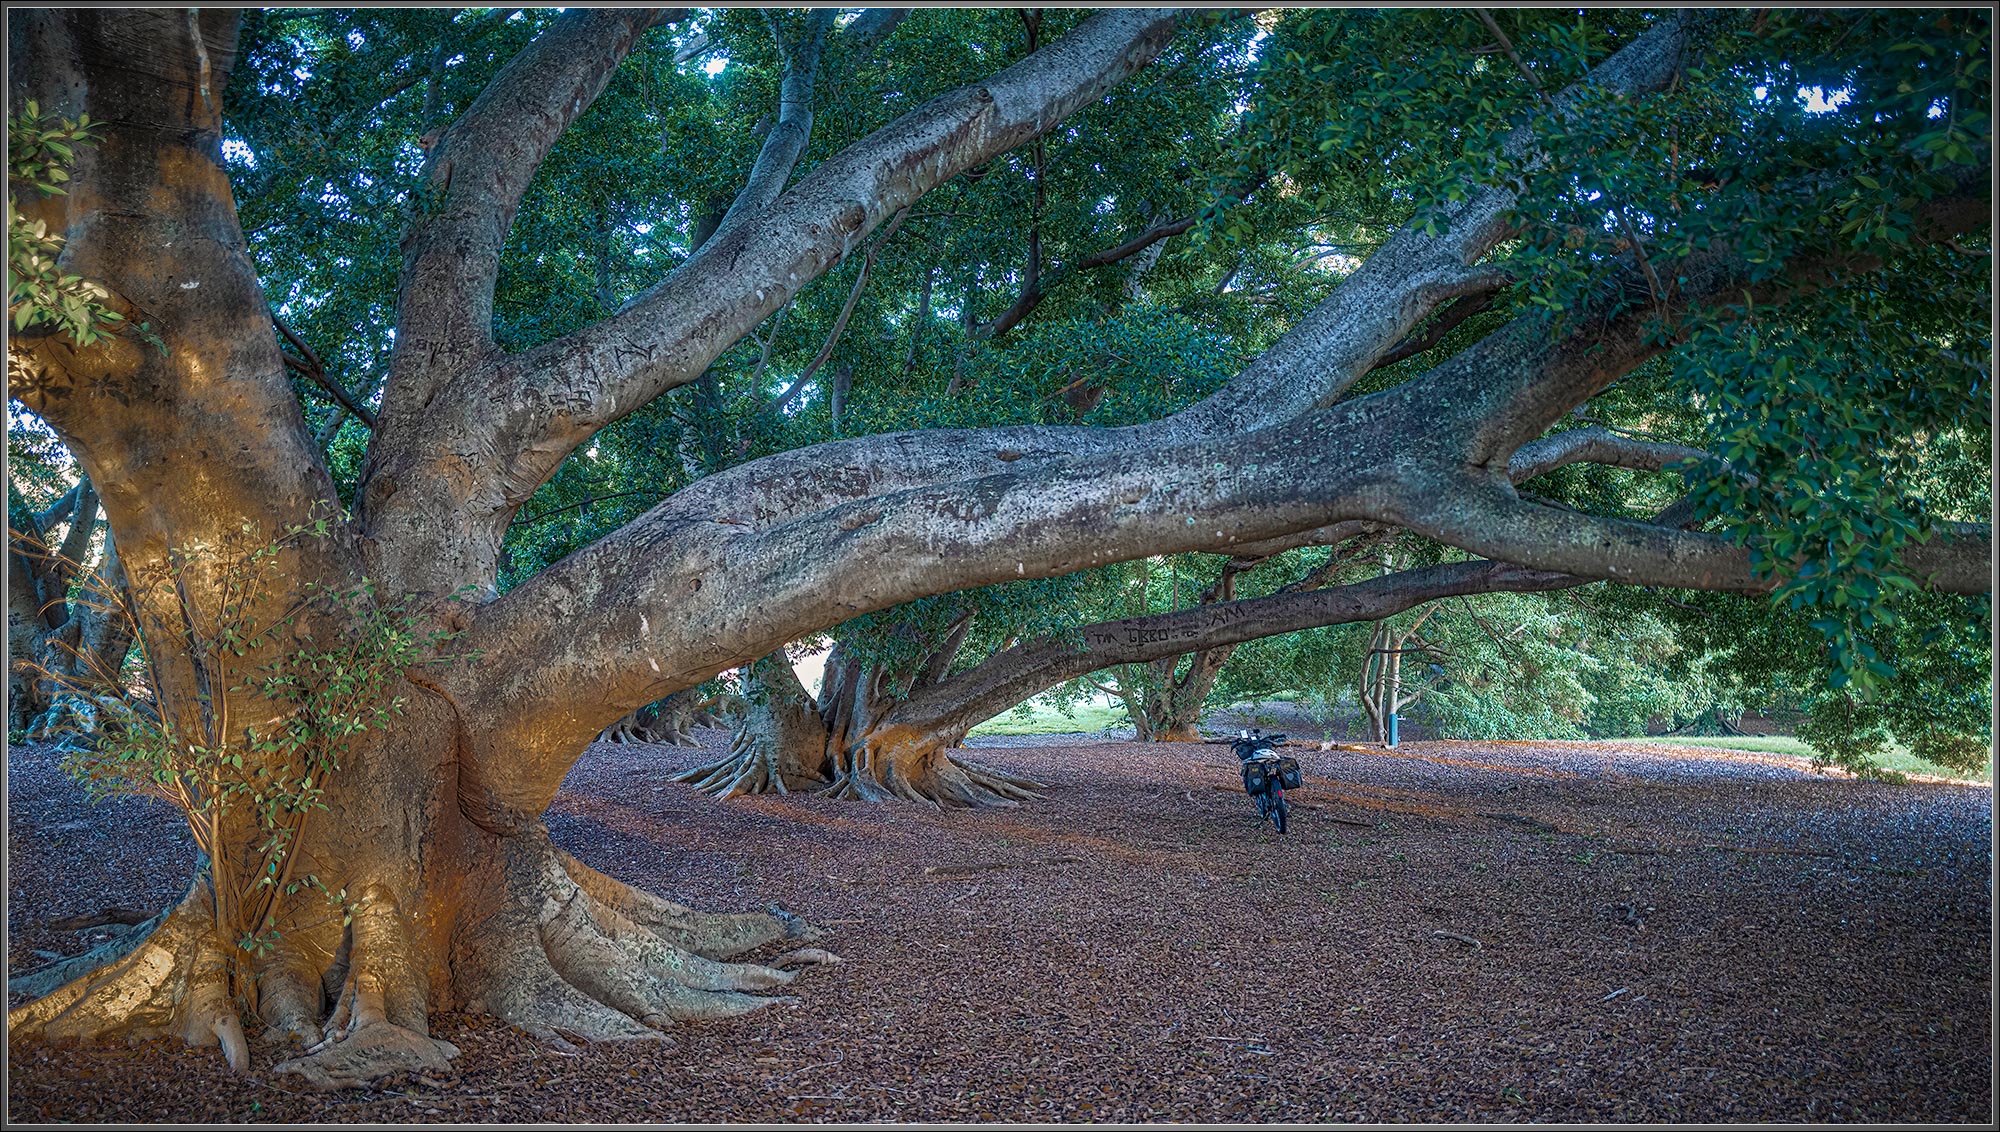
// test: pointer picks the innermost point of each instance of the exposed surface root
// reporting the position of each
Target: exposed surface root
(879, 772)
(649, 726)
(289, 994)
(713, 935)
(369, 1053)
(805, 957)
(380, 1025)
(769, 759)
(546, 943)
(44, 981)
(170, 979)
(573, 953)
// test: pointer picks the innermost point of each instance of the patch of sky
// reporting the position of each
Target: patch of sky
(238, 152)
(1819, 100)
(715, 65)
(355, 39)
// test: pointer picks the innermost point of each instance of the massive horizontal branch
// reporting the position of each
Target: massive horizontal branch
(1310, 367)
(745, 560)
(1492, 398)
(1959, 560)
(1421, 455)
(1015, 675)
(509, 425)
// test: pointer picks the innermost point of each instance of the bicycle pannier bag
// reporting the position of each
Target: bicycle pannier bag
(1255, 779)
(1288, 774)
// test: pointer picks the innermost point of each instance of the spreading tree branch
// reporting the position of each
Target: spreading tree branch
(307, 364)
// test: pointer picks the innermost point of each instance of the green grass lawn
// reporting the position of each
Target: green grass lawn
(1896, 758)
(1044, 719)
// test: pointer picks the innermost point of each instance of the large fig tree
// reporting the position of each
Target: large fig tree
(428, 833)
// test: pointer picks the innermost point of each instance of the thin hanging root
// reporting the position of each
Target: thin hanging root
(380, 1025)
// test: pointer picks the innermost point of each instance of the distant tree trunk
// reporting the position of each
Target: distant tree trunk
(1174, 699)
(665, 722)
(70, 623)
(26, 637)
(1175, 704)
(781, 743)
(1380, 685)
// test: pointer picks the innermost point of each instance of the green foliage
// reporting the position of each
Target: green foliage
(1937, 701)
(41, 297)
(1847, 422)
(1850, 424)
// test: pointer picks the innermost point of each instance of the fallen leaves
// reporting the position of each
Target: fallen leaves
(1137, 947)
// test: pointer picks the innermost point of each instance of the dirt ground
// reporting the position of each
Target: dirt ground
(1453, 931)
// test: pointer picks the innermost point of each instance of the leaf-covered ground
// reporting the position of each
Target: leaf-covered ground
(1453, 931)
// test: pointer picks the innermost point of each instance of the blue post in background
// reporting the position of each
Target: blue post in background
(1392, 729)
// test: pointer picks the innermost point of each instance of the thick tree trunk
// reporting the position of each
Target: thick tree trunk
(1176, 704)
(70, 623)
(780, 744)
(873, 759)
(445, 903)
(446, 915)
(26, 637)
(1175, 700)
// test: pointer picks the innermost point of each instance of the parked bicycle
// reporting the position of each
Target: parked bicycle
(1267, 775)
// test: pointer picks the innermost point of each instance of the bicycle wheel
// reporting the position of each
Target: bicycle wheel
(1281, 814)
